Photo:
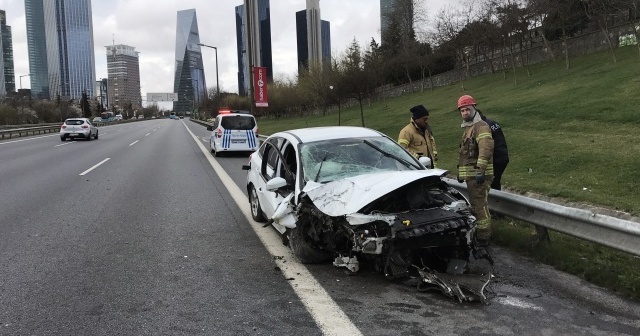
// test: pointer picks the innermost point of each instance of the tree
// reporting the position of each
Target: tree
(357, 83)
(603, 12)
(84, 105)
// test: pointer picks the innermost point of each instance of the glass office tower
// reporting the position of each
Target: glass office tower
(189, 81)
(60, 44)
(260, 49)
(8, 82)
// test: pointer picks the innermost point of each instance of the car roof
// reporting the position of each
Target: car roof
(312, 134)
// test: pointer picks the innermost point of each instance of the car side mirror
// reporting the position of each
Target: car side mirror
(426, 161)
(276, 183)
(209, 128)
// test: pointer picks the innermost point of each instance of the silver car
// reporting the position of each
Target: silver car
(78, 128)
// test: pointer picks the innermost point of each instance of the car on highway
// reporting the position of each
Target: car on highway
(233, 131)
(140, 116)
(118, 117)
(354, 195)
(97, 119)
(78, 128)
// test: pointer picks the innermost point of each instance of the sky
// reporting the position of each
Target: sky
(150, 27)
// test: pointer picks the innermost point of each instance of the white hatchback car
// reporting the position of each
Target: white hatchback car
(233, 131)
(78, 128)
(352, 195)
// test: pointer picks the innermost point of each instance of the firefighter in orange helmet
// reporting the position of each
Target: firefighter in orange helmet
(417, 137)
(475, 165)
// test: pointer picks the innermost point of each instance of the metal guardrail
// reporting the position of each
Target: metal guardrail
(607, 230)
(18, 132)
(13, 131)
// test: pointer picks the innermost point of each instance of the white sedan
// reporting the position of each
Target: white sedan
(353, 195)
(78, 128)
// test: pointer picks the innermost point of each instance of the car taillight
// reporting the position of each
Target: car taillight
(256, 131)
(85, 126)
(63, 126)
(219, 133)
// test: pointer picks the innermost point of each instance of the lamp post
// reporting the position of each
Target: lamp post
(217, 78)
(21, 79)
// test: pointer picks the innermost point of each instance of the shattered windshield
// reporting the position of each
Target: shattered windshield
(330, 160)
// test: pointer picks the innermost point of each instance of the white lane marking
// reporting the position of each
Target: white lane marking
(64, 144)
(515, 302)
(147, 134)
(133, 143)
(21, 140)
(94, 167)
(327, 314)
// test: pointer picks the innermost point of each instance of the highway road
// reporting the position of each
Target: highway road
(144, 232)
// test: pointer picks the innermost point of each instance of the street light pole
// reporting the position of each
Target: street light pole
(217, 78)
(21, 79)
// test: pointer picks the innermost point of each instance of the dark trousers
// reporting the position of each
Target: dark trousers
(498, 169)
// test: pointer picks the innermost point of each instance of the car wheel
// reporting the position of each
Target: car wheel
(256, 209)
(96, 137)
(303, 246)
(63, 138)
(89, 137)
(211, 147)
(215, 152)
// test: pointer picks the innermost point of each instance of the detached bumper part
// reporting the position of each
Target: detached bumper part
(464, 287)
(350, 263)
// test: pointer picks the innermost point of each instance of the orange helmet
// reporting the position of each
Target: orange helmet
(466, 100)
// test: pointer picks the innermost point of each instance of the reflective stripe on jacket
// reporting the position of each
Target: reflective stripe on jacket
(476, 151)
(418, 142)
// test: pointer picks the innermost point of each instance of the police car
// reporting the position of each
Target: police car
(233, 131)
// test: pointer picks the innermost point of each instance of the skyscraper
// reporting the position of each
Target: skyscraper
(8, 82)
(253, 15)
(398, 13)
(60, 44)
(189, 82)
(123, 67)
(313, 36)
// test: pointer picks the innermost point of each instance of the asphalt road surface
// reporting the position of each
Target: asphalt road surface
(143, 232)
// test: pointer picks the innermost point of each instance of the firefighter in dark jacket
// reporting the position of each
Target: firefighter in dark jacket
(475, 165)
(417, 137)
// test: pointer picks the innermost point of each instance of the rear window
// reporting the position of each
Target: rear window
(74, 122)
(238, 122)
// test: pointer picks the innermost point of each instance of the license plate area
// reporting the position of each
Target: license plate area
(238, 141)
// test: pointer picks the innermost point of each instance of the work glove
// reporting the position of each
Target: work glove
(480, 178)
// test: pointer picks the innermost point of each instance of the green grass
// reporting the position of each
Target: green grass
(567, 130)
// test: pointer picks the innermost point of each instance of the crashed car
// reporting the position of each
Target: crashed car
(353, 195)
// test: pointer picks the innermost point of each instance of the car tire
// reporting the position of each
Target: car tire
(89, 137)
(96, 137)
(303, 248)
(256, 210)
(62, 138)
(214, 151)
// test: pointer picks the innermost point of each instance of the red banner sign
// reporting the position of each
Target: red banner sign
(260, 86)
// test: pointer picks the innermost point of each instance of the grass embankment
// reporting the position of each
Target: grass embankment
(572, 134)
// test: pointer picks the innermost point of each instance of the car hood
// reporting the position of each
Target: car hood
(349, 195)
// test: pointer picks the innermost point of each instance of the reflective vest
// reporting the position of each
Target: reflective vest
(476, 151)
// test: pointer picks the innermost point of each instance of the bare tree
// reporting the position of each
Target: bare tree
(603, 13)
(448, 24)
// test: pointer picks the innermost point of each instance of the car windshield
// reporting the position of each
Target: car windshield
(330, 160)
(74, 122)
(238, 122)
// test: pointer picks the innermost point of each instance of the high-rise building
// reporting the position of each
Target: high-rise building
(60, 44)
(8, 80)
(123, 68)
(253, 41)
(189, 82)
(402, 12)
(313, 36)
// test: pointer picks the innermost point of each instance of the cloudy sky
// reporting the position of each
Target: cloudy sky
(150, 27)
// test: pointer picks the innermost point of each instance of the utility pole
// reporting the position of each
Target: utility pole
(248, 15)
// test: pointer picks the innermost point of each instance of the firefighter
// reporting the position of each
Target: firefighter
(417, 137)
(475, 165)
